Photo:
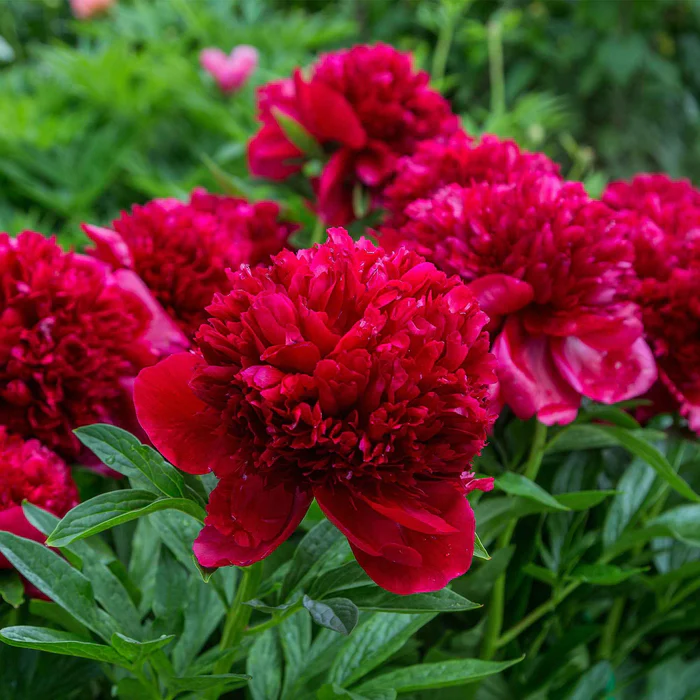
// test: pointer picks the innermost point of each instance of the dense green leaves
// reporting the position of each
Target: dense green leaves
(377, 599)
(518, 485)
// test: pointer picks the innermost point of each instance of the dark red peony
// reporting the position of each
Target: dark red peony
(182, 250)
(73, 335)
(456, 159)
(365, 107)
(29, 471)
(663, 219)
(554, 273)
(340, 373)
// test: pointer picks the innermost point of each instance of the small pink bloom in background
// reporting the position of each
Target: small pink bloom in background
(554, 273)
(231, 71)
(84, 9)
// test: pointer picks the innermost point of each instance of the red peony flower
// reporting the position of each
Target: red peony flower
(73, 336)
(554, 273)
(29, 471)
(182, 251)
(365, 107)
(456, 159)
(340, 373)
(663, 219)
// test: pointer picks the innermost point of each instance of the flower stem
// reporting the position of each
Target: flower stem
(318, 235)
(239, 614)
(494, 621)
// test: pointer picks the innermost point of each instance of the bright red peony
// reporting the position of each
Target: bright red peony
(456, 159)
(554, 274)
(182, 250)
(340, 373)
(365, 107)
(663, 219)
(73, 335)
(29, 471)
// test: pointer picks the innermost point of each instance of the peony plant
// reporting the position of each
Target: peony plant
(305, 430)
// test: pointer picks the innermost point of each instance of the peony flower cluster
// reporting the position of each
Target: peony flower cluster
(663, 217)
(344, 374)
(73, 335)
(457, 159)
(182, 251)
(555, 275)
(364, 108)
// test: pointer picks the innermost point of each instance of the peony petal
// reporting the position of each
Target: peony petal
(529, 381)
(111, 247)
(249, 517)
(164, 336)
(327, 114)
(335, 205)
(398, 558)
(500, 295)
(271, 155)
(609, 377)
(181, 426)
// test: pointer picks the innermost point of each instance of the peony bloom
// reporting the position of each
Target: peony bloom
(456, 159)
(73, 335)
(663, 219)
(182, 250)
(554, 273)
(231, 71)
(29, 471)
(340, 373)
(364, 107)
(84, 9)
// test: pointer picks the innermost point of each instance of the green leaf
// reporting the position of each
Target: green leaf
(375, 598)
(229, 681)
(593, 682)
(121, 451)
(519, 485)
(337, 614)
(683, 523)
(335, 692)
(610, 414)
(297, 134)
(262, 606)
(603, 574)
(308, 557)
(11, 588)
(56, 614)
(264, 665)
(589, 437)
(135, 650)
(583, 500)
(55, 642)
(436, 675)
(114, 508)
(350, 575)
(131, 689)
(56, 578)
(540, 573)
(41, 519)
(649, 454)
(374, 641)
(479, 549)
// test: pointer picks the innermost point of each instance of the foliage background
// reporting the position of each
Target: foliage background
(95, 116)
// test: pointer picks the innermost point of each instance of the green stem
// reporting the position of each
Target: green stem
(318, 235)
(239, 614)
(494, 621)
(607, 640)
(496, 75)
(444, 42)
(273, 621)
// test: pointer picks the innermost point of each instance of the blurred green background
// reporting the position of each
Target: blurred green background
(96, 115)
